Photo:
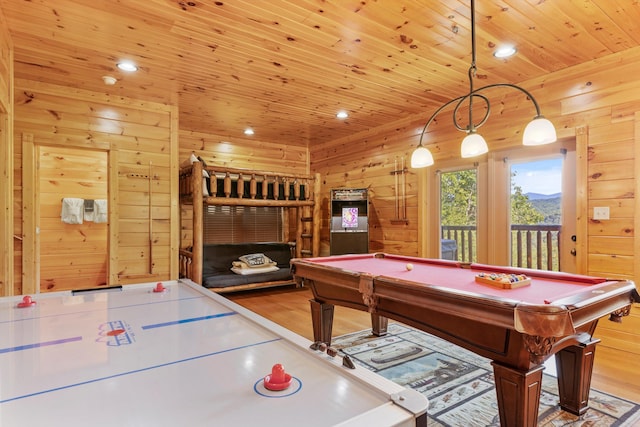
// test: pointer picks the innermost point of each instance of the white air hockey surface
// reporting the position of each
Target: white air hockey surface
(183, 357)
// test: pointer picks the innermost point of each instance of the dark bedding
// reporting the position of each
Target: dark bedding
(218, 260)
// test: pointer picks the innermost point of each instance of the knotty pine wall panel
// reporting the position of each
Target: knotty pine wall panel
(144, 220)
(7, 232)
(368, 161)
(613, 266)
(616, 132)
(611, 152)
(17, 217)
(6, 64)
(612, 227)
(611, 244)
(244, 153)
(612, 182)
(138, 140)
(614, 189)
(72, 262)
(614, 169)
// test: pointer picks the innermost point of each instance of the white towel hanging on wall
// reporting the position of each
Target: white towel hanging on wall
(88, 209)
(72, 210)
(100, 210)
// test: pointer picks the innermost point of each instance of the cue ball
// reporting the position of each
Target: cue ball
(409, 267)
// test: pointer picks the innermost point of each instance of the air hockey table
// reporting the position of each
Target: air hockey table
(176, 354)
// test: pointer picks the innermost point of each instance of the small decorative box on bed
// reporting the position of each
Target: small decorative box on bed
(239, 266)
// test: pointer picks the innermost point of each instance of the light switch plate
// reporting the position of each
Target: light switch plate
(601, 212)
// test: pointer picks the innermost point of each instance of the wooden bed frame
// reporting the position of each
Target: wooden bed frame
(276, 190)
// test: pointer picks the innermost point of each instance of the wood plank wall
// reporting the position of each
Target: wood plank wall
(6, 161)
(240, 153)
(72, 256)
(598, 98)
(368, 160)
(139, 139)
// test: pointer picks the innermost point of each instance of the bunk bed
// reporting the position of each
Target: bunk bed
(201, 186)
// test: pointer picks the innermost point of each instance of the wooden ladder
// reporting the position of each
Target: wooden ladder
(308, 232)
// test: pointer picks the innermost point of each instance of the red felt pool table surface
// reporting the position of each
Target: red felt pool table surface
(546, 287)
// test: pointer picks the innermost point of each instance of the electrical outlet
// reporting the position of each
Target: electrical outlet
(601, 212)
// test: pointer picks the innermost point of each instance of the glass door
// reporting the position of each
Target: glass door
(459, 215)
(542, 212)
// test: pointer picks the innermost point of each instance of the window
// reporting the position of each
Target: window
(239, 224)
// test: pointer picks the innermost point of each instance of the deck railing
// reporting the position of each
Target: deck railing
(532, 246)
(465, 237)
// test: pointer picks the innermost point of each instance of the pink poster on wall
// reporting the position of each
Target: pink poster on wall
(350, 217)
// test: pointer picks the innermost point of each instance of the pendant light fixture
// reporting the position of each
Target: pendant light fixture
(539, 131)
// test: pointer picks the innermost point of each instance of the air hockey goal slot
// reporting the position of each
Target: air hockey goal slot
(116, 288)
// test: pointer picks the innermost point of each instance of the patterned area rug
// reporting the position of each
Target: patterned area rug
(459, 383)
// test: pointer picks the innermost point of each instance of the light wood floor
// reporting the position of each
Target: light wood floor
(615, 372)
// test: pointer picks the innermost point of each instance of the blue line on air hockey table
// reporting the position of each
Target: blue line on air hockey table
(193, 319)
(74, 313)
(39, 344)
(148, 368)
(152, 326)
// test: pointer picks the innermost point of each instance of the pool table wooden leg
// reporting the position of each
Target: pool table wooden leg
(575, 366)
(379, 325)
(518, 395)
(322, 321)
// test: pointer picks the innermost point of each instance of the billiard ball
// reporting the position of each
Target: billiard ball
(409, 267)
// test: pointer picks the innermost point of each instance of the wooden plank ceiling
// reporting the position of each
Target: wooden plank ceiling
(285, 68)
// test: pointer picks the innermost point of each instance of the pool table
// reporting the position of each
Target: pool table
(517, 328)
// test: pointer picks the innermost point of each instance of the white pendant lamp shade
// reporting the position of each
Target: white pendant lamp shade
(539, 131)
(421, 158)
(473, 145)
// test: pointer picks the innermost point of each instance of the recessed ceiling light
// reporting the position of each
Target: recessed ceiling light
(342, 115)
(127, 66)
(248, 131)
(505, 52)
